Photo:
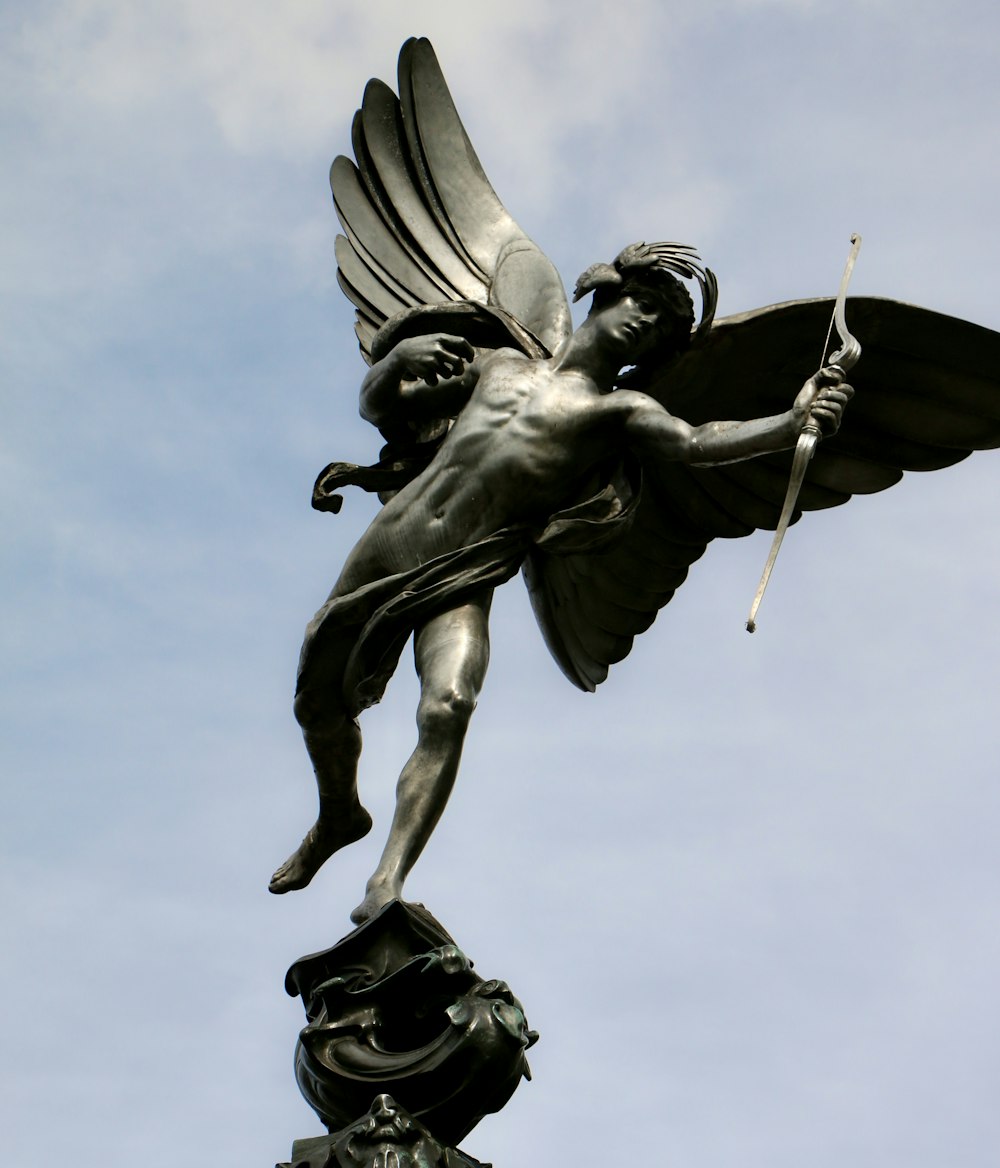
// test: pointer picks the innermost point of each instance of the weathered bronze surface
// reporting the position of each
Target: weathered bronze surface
(592, 459)
(395, 1009)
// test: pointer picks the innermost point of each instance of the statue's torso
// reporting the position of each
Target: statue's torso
(517, 452)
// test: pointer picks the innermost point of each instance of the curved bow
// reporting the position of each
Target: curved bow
(845, 358)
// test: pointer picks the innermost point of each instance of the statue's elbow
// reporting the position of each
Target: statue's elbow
(686, 447)
(373, 405)
(366, 411)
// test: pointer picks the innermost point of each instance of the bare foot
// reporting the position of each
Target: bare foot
(378, 893)
(320, 842)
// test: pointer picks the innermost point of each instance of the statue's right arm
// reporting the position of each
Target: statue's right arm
(652, 431)
(421, 379)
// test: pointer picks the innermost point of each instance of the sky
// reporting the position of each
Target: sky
(749, 891)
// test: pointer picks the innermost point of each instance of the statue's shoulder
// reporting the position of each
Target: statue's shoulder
(486, 327)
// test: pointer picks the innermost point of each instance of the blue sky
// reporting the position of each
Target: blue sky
(749, 890)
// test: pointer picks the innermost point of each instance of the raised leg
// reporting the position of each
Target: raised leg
(452, 652)
(334, 744)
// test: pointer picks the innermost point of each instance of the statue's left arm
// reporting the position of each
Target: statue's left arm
(421, 379)
(652, 432)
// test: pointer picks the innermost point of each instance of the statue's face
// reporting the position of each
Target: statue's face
(387, 1121)
(634, 323)
(387, 1135)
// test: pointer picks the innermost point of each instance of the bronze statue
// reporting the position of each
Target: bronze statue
(515, 442)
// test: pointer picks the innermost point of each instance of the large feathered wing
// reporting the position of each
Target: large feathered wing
(927, 395)
(422, 223)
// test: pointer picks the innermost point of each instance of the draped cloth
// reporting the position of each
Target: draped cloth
(354, 642)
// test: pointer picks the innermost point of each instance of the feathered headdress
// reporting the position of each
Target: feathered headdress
(642, 258)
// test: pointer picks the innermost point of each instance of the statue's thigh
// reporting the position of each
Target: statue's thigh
(452, 650)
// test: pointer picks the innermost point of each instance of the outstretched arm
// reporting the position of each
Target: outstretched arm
(422, 379)
(653, 432)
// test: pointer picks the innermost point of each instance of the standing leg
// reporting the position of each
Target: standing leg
(334, 743)
(452, 651)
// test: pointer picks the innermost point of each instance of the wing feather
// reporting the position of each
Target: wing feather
(554, 597)
(736, 495)
(351, 256)
(381, 139)
(927, 394)
(768, 478)
(839, 474)
(460, 195)
(697, 504)
(423, 225)
(369, 281)
(365, 332)
(362, 222)
(899, 413)
(616, 614)
(365, 310)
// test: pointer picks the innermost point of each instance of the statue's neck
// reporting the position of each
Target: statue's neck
(584, 352)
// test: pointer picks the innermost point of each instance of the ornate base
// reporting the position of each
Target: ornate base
(395, 1012)
(387, 1137)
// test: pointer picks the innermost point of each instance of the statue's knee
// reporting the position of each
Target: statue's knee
(315, 712)
(306, 709)
(446, 707)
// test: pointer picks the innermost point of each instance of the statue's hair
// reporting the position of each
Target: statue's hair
(670, 294)
(654, 267)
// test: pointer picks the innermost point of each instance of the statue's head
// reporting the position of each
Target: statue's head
(664, 302)
(647, 274)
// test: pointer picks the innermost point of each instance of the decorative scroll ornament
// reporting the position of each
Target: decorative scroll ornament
(395, 1009)
(845, 358)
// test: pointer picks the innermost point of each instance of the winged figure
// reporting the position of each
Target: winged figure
(593, 460)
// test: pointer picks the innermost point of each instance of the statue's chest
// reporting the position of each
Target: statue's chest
(532, 399)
